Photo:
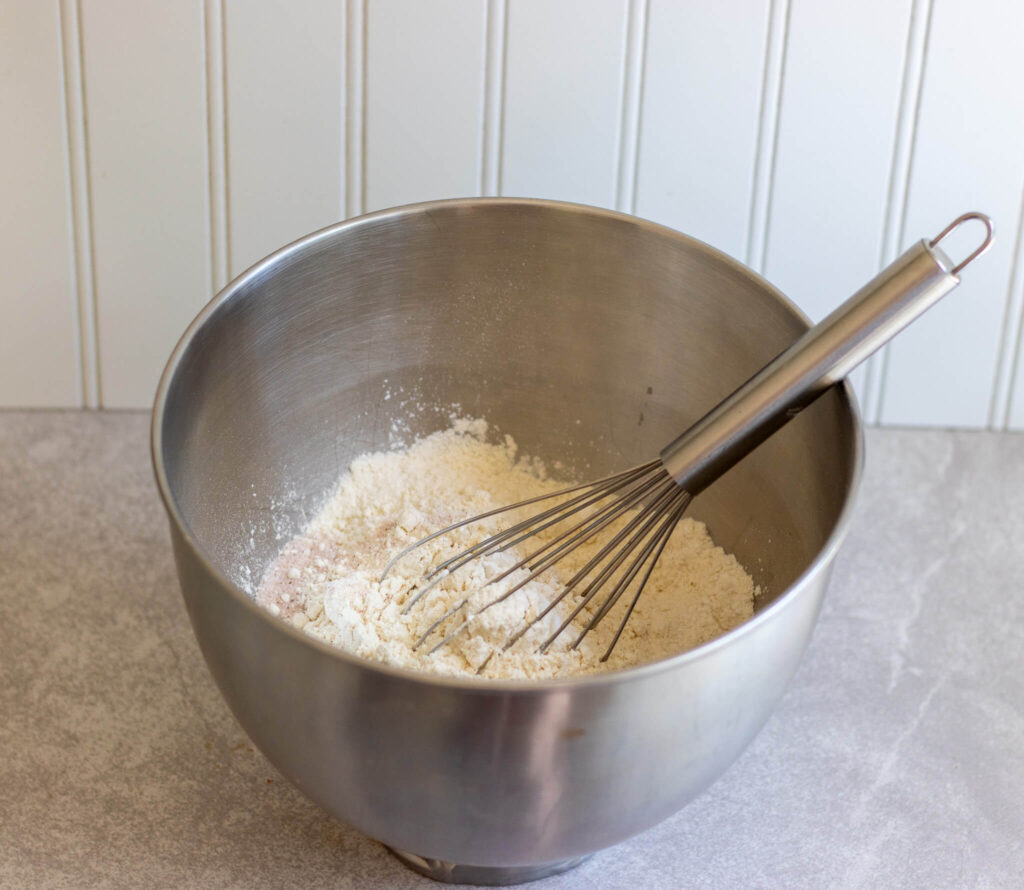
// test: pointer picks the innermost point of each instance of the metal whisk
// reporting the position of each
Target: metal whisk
(655, 494)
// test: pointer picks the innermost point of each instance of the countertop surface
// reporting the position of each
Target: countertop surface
(896, 758)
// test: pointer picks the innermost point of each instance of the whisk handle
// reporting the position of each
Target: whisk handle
(820, 358)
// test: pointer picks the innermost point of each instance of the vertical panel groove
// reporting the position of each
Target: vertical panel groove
(641, 92)
(492, 97)
(363, 67)
(80, 202)
(899, 188)
(216, 132)
(355, 107)
(343, 114)
(899, 178)
(632, 92)
(73, 264)
(502, 95)
(1013, 326)
(768, 131)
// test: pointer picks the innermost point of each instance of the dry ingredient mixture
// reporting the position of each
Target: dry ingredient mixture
(326, 580)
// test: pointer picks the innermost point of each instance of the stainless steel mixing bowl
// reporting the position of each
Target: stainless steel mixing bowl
(594, 338)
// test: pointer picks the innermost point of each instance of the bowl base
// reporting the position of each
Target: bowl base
(489, 875)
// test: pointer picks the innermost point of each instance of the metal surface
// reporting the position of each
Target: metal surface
(824, 355)
(592, 337)
(980, 249)
(495, 876)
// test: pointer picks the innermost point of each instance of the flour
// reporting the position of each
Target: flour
(326, 581)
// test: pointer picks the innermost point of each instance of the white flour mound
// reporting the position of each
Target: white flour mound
(326, 581)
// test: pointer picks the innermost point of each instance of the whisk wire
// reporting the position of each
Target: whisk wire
(430, 630)
(593, 524)
(613, 554)
(666, 532)
(583, 530)
(507, 507)
(594, 561)
(500, 540)
(588, 527)
(492, 543)
(637, 481)
(682, 497)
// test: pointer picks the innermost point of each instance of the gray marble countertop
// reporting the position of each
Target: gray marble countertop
(896, 758)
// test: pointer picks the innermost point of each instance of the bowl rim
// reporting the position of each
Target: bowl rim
(482, 684)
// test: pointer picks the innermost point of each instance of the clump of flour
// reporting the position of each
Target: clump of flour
(326, 581)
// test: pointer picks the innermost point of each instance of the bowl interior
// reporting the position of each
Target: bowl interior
(592, 338)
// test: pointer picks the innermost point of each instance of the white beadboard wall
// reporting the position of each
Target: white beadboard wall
(153, 149)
